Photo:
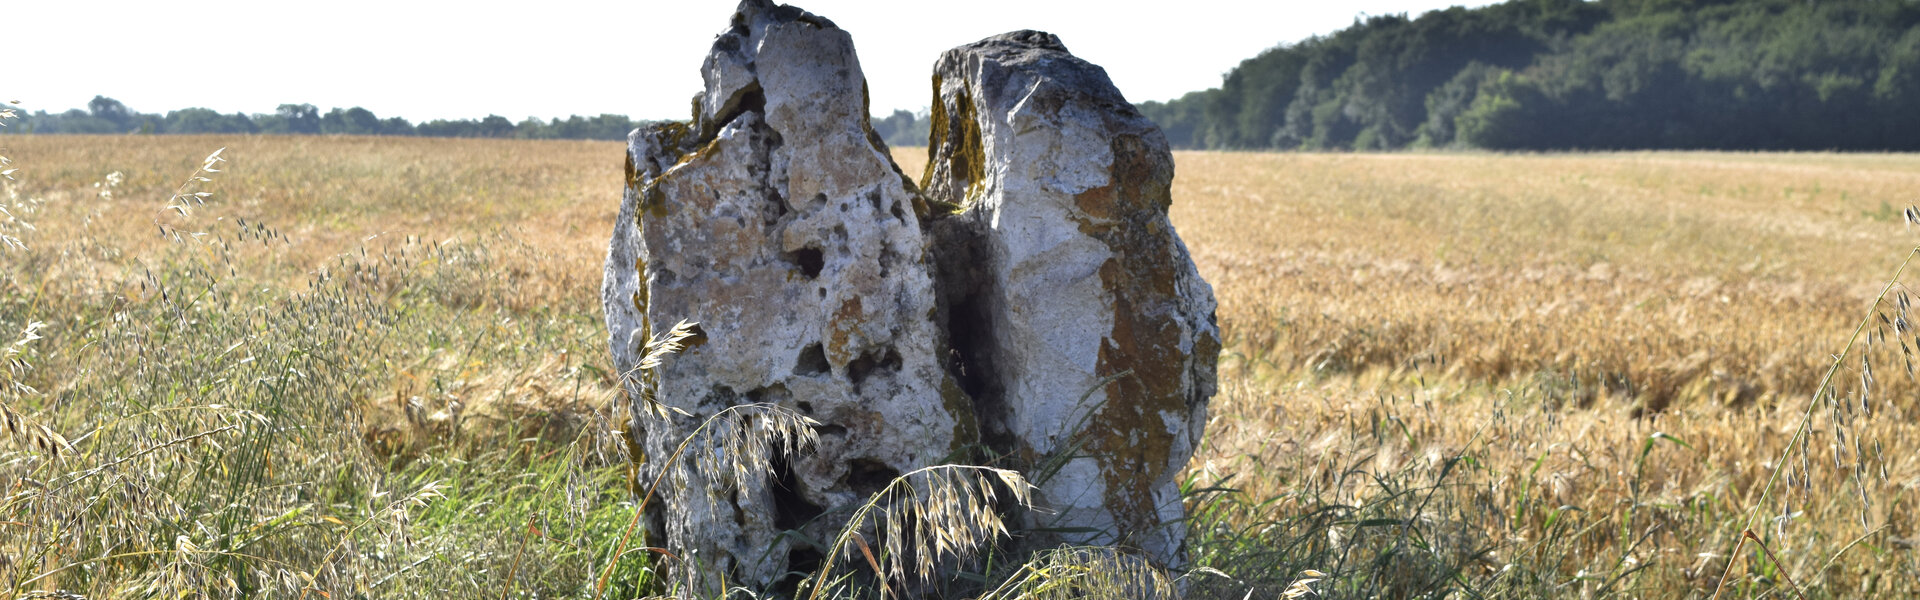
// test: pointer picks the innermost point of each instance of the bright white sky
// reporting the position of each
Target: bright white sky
(553, 58)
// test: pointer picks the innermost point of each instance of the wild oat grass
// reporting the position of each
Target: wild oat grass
(932, 518)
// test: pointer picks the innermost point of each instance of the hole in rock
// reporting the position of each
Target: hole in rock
(790, 509)
(866, 476)
(772, 394)
(834, 430)
(664, 277)
(805, 407)
(792, 512)
(887, 358)
(776, 207)
(897, 213)
(724, 395)
(745, 100)
(802, 559)
(971, 337)
(696, 337)
(811, 260)
(812, 361)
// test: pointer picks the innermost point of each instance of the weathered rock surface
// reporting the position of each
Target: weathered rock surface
(783, 230)
(1035, 299)
(1066, 272)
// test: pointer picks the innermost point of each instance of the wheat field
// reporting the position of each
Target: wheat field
(379, 369)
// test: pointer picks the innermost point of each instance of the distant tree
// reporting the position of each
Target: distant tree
(534, 129)
(1445, 105)
(352, 121)
(396, 126)
(205, 120)
(299, 118)
(610, 127)
(1505, 113)
(1181, 120)
(445, 128)
(903, 128)
(112, 112)
(74, 121)
(495, 126)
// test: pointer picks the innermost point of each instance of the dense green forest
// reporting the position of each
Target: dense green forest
(106, 115)
(1567, 74)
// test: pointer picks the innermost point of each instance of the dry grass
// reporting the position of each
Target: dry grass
(539, 209)
(355, 369)
(1476, 375)
(1659, 278)
(1511, 316)
(332, 196)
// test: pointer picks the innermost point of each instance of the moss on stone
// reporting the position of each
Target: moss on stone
(966, 424)
(956, 143)
(969, 156)
(941, 208)
(936, 135)
(653, 202)
(633, 175)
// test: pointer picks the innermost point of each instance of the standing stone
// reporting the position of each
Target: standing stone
(1034, 303)
(1084, 328)
(779, 223)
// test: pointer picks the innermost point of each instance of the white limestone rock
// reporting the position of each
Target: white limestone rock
(784, 230)
(1060, 270)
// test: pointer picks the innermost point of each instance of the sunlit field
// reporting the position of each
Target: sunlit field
(376, 367)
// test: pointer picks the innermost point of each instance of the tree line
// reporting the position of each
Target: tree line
(105, 115)
(1568, 74)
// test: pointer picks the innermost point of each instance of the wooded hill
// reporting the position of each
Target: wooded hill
(1566, 74)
